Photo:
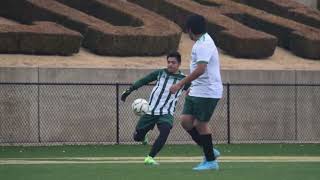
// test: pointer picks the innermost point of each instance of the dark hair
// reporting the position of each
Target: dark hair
(176, 55)
(197, 24)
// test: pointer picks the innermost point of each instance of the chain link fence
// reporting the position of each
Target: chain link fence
(82, 113)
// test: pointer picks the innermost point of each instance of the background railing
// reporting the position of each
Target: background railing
(92, 113)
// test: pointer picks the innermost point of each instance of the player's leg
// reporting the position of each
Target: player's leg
(205, 139)
(210, 154)
(164, 130)
(190, 111)
(204, 109)
(187, 120)
(164, 124)
(194, 133)
(145, 140)
(144, 125)
(139, 135)
(158, 144)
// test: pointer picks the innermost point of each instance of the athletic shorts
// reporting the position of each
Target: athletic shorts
(199, 107)
(149, 121)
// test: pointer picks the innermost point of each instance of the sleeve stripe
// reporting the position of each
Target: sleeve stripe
(202, 62)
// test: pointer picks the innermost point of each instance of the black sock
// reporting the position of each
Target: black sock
(161, 140)
(207, 146)
(195, 135)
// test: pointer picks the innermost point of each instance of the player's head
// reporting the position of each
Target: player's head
(196, 25)
(173, 62)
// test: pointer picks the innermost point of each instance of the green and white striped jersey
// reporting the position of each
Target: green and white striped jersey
(161, 101)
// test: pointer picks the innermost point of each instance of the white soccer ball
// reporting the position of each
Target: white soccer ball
(140, 107)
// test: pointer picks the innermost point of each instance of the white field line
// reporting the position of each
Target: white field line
(125, 160)
(175, 158)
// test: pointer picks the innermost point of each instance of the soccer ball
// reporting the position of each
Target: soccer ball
(140, 106)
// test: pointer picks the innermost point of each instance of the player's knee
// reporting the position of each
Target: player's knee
(202, 128)
(186, 125)
(137, 136)
(186, 122)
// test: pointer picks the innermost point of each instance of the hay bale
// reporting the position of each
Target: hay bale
(307, 47)
(289, 9)
(40, 38)
(238, 45)
(308, 38)
(217, 12)
(109, 27)
(229, 34)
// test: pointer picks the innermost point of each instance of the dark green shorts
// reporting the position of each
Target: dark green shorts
(201, 108)
(149, 121)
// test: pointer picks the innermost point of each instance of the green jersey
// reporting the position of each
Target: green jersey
(161, 101)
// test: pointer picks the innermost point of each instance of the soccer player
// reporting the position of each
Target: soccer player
(162, 104)
(205, 92)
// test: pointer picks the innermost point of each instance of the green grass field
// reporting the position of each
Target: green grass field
(287, 162)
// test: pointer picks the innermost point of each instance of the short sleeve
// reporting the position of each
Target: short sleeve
(204, 53)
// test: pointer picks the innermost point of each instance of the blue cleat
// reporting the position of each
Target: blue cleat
(207, 165)
(216, 154)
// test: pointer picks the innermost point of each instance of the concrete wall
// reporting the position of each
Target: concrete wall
(88, 113)
(89, 75)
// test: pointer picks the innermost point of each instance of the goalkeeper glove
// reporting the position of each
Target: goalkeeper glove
(125, 94)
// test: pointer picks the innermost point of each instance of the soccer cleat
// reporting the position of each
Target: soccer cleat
(145, 140)
(207, 165)
(150, 161)
(216, 154)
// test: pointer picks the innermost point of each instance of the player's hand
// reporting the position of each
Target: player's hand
(174, 88)
(125, 94)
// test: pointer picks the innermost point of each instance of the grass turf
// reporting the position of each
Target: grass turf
(178, 171)
(169, 150)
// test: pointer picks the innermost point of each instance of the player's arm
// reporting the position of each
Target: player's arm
(201, 68)
(145, 80)
(139, 83)
(204, 54)
(186, 86)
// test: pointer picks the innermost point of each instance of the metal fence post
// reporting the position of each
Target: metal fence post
(38, 114)
(296, 111)
(228, 111)
(117, 113)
